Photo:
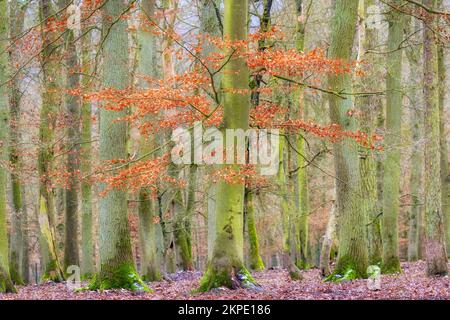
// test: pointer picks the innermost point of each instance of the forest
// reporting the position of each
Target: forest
(224, 149)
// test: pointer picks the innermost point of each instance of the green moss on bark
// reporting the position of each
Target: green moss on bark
(122, 277)
(347, 269)
(52, 272)
(256, 262)
(391, 265)
(15, 269)
(230, 277)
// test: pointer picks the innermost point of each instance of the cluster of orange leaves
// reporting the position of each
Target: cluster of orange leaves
(243, 174)
(333, 132)
(185, 98)
(292, 63)
(133, 176)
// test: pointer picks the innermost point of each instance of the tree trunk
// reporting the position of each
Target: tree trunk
(416, 164)
(352, 220)
(369, 105)
(6, 285)
(150, 262)
(289, 219)
(327, 244)
(255, 260)
(391, 179)
(211, 24)
(117, 268)
(18, 247)
(87, 232)
(299, 177)
(182, 225)
(73, 105)
(445, 175)
(51, 101)
(226, 267)
(212, 194)
(436, 254)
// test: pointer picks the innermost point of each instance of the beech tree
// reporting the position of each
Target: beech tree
(445, 173)
(18, 251)
(151, 264)
(391, 178)
(417, 165)
(369, 106)
(51, 101)
(226, 266)
(299, 173)
(71, 247)
(6, 284)
(436, 254)
(87, 224)
(352, 219)
(117, 269)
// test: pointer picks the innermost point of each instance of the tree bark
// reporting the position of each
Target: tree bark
(117, 268)
(51, 101)
(352, 220)
(87, 232)
(391, 179)
(299, 177)
(445, 174)
(327, 244)
(226, 267)
(150, 260)
(436, 254)
(6, 284)
(18, 250)
(255, 260)
(416, 164)
(368, 106)
(73, 105)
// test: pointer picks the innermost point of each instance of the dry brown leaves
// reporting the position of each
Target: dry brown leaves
(411, 284)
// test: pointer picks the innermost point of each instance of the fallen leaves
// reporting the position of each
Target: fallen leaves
(276, 285)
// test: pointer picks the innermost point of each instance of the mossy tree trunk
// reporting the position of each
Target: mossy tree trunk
(211, 24)
(255, 260)
(369, 105)
(352, 220)
(289, 218)
(73, 105)
(18, 250)
(174, 196)
(212, 193)
(298, 174)
(117, 268)
(436, 254)
(87, 232)
(445, 174)
(183, 222)
(328, 240)
(150, 263)
(226, 266)
(415, 180)
(391, 178)
(51, 100)
(6, 285)
(181, 228)
(416, 162)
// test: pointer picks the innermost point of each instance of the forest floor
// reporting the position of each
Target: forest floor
(412, 283)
